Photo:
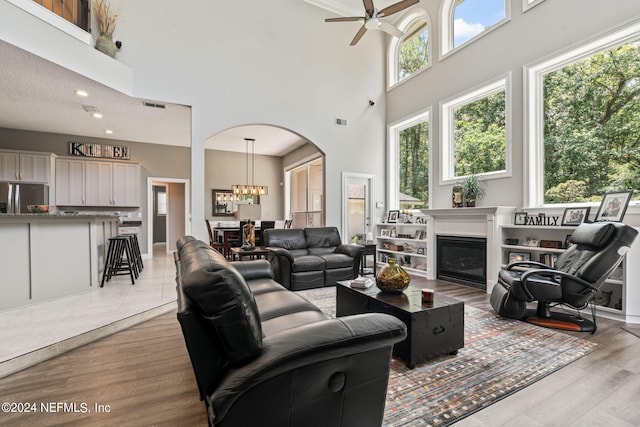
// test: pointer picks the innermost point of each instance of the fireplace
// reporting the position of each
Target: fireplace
(462, 260)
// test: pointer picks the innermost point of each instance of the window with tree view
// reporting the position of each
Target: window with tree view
(414, 53)
(479, 139)
(592, 126)
(413, 159)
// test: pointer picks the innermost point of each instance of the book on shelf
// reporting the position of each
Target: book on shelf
(362, 282)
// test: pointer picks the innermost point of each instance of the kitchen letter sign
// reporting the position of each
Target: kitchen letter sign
(99, 150)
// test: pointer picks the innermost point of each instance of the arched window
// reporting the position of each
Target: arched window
(466, 20)
(411, 53)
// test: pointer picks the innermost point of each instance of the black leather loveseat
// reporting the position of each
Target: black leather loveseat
(265, 356)
(311, 257)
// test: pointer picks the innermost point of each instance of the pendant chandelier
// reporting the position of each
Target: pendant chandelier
(250, 189)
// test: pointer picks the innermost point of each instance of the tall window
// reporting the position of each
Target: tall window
(306, 195)
(475, 133)
(464, 20)
(587, 140)
(592, 126)
(409, 163)
(414, 52)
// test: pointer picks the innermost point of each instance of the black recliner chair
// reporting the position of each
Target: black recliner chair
(596, 250)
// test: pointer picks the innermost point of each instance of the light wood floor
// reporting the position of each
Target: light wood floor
(144, 376)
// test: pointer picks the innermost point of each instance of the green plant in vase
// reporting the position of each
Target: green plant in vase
(473, 189)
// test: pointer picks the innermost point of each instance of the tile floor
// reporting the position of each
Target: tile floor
(40, 331)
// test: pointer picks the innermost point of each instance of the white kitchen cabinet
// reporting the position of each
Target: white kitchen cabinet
(70, 182)
(126, 184)
(25, 167)
(97, 183)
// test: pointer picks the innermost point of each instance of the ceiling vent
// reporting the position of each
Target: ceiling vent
(90, 109)
(341, 122)
(153, 105)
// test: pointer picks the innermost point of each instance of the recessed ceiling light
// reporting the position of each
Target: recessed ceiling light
(109, 131)
(97, 115)
(82, 93)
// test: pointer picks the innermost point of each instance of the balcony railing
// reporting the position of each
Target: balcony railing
(74, 11)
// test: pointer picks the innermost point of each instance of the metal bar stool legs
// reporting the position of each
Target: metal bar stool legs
(119, 260)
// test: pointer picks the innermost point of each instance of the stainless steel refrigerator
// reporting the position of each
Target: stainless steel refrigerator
(15, 196)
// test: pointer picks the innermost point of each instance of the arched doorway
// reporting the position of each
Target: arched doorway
(275, 153)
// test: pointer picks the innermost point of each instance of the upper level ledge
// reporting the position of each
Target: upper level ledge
(33, 28)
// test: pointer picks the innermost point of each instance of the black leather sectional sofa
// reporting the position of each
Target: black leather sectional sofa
(265, 356)
(311, 257)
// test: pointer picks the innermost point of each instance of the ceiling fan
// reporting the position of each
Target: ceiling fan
(372, 19)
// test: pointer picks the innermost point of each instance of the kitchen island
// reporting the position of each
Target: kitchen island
(48, 256)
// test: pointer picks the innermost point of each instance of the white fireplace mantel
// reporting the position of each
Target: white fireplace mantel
(468, 222)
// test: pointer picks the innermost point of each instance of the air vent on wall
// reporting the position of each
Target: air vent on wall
(153, 105)
(341, 122)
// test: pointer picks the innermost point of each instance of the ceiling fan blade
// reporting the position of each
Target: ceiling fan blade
(397, 7)
(390, 29)
(345, 19)
(369, 7)
(359, 35)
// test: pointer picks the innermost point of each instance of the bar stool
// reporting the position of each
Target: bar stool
(119, 260)
(133, 239)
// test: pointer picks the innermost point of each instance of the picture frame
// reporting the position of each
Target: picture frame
(519, 256)
(613, 206)
(385, 232)
(420, 251)
(575, 216)
(392, 216)
(520, 218)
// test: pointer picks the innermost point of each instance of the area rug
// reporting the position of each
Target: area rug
(500, 356)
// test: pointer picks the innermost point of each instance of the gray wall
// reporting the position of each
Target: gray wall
(156, 160)
(225, 168)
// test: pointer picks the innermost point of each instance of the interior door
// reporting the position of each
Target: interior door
(357, 209)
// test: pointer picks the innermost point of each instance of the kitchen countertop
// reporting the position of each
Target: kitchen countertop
(56, 215)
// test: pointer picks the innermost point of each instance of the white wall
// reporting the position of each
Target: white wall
(543, 30)
(273, 62)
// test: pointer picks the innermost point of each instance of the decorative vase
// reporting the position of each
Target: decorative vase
(456, 196)
(106, 45)
(392, 278)
(248, 236)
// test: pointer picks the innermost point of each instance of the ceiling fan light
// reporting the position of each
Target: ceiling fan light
(372, 24)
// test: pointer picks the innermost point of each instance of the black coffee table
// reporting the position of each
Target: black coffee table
(433, 329)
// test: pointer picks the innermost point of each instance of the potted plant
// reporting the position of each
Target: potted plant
(106, 20)
(473, 188)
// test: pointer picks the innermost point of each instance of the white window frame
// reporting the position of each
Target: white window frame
(534, 103)
(393, 52)
(393, 165)
(447, 10)
(528, 4)
(447, 118)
